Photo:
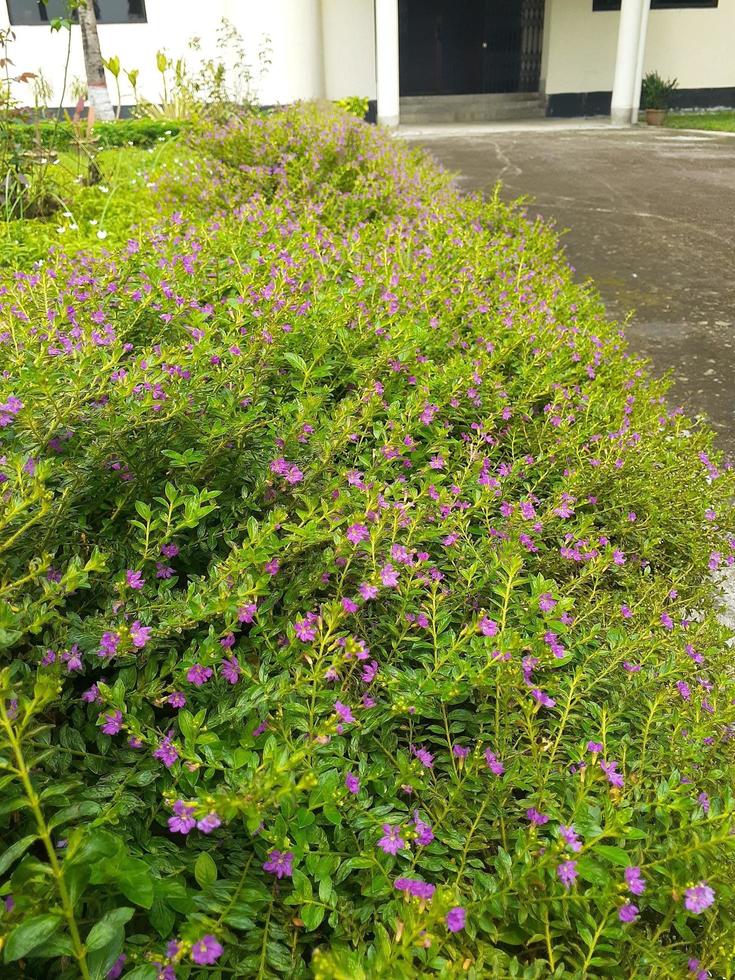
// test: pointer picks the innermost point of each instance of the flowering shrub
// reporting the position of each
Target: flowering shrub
(355, 608)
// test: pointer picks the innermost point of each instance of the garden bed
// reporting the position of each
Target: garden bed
(356, 610)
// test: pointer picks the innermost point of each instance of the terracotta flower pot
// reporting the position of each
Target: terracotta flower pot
(655, 117)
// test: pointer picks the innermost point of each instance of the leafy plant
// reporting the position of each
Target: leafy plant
(355, 105)
(356, 601)
(656, 92)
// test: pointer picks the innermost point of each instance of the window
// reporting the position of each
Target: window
(29, 12)
(656, 4)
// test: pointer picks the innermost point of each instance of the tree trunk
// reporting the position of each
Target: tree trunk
(97, 95)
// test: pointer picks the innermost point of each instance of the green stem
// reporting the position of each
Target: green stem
(43, 832)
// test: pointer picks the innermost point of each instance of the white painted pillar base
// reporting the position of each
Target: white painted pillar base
(641, 60)
(386, 61)
(626, 61)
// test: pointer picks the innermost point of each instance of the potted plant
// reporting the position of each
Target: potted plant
(655, 96)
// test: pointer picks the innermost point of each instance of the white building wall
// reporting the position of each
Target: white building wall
(695, 46)
(349, 48)
(291, 29)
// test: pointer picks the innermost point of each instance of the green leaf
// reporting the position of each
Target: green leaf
(105, 931)
(143, 972)
(30, 933)
(615, 854)
(133, 878)
(15, 851)
(205, 870)
(312, 915)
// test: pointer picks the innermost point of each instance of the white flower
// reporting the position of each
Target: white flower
(93, 221)
(105, 190)
(101, 234)
(61, 230)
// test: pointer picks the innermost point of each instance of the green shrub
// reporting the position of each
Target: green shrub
(124, 132)
(355, 606)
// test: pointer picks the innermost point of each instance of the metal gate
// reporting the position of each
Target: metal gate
(532, 37)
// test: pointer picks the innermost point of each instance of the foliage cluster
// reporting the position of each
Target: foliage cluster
(656, 91)
(355, 608)
(714, 120)
(125, 132)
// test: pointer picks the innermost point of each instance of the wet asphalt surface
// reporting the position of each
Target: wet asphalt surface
(649, 215)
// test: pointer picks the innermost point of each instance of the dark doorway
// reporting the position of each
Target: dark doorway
(457, 47)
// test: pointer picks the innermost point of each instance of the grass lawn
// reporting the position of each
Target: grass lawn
(721, 121)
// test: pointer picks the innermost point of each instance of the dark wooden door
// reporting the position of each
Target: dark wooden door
(457, 47)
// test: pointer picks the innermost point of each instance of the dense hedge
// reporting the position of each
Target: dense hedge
(355, 601)
(62, 135)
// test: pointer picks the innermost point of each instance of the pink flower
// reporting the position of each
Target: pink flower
(166, 752)
(368, 591)
(305, 630)
(209, 823)
(698, 898)
(182, 820)
(176, 699)
(389, 576)
(352, 783)
(546, 602)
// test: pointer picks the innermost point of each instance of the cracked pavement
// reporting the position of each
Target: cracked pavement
(648, 215)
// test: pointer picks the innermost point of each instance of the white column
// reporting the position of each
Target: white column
(626, 61)
(386, 61)
(641, 60)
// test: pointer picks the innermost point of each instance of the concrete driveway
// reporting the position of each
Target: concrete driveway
(650, 217)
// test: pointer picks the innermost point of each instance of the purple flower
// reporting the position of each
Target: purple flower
(166, 752)
(368, 591)
(542, 697)
(182, 820)
(461, 752)
(230, 670)
(539, 819)
(567, 873)
(494, 764)
(117, 967)
(570, 838)
(415, 887)
(209, 823)
(683, 689)
(305, 630)
(455, 919)
(595, 747)
(140, 635)
(352, 783)
(389, 576)
(113, 722)
(424, 833)
(109, 644)
(357, 533)
(698, 898)
(279, 863)
(272, 566)
(546, 602)
(636, 884)
(206, 951)
(488, 627)
(628, 912)
(246, 614)
(666, 621)
(424, 756)
(176, 699)
(134, 579)
(613, 777)
(169, 550)
(344, 712)
(391, 842)
(198, 675)
(163, 571)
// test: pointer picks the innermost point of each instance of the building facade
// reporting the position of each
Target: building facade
(568, 54)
